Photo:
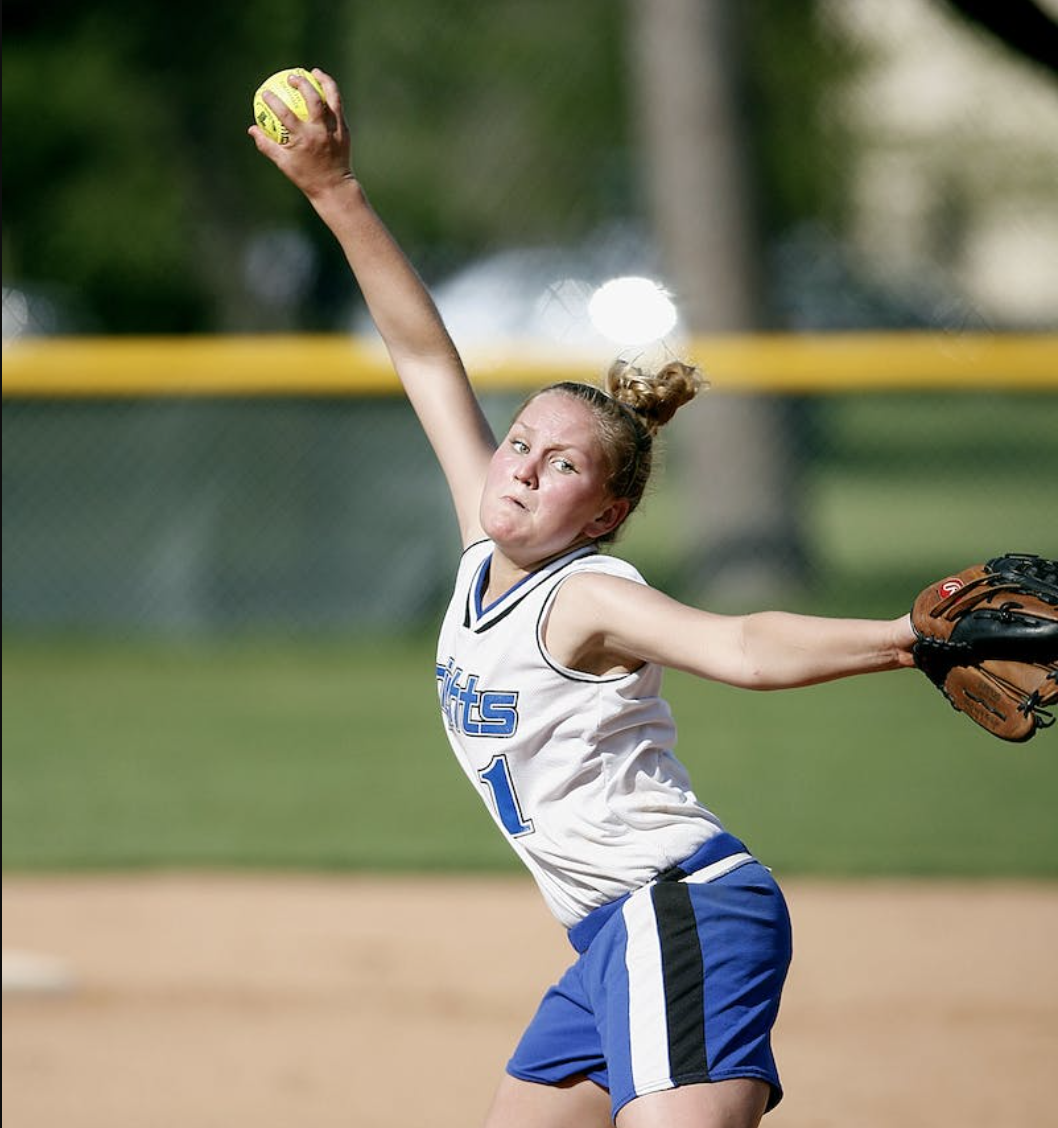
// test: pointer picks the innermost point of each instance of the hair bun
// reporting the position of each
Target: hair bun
(654, 396)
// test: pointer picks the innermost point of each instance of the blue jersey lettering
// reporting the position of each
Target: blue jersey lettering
(473, 711)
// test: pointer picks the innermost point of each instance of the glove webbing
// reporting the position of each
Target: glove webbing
(1037, 568)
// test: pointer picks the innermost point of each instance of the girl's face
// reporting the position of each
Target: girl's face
(546, 486)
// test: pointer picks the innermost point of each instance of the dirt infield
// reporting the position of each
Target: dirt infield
(193, 1000)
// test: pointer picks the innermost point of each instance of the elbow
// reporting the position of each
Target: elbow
(760, 683)
(766, 678)
(752, 672)
(756, 678)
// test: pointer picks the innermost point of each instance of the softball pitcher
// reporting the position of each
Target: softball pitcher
(548, 674)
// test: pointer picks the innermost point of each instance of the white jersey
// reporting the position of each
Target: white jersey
(577, 770)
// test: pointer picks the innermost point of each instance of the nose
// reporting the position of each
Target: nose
(525, 471)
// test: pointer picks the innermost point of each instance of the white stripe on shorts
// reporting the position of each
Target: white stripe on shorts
(647, 1019)
(647, 1027)
(718, 869)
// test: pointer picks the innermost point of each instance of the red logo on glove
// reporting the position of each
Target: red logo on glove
(950, 587)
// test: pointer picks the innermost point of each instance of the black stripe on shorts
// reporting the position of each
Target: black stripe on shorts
(684, 979)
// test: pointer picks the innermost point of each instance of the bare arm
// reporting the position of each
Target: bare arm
(317, 160)
(601, 623)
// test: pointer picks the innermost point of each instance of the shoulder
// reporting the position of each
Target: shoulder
(588, 612)
(629, 621)
(592, 594)
(599, 564)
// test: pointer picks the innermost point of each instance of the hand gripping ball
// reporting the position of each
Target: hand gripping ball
(281, 88)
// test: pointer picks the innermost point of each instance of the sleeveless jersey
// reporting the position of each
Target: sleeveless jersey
(577, 770)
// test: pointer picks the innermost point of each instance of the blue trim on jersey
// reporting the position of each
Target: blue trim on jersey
(480, 618)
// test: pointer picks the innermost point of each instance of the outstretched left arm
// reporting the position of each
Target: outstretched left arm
(600, 623)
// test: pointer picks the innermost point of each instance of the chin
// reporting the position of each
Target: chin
(501, 528)
(511, 546)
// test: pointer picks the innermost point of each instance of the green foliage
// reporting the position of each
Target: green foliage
(132, 188)
(133, 185)
(486, 123)
(331, 755)
(800, 147)
(89, 198)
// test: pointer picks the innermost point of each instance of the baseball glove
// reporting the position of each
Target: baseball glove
(988, 639)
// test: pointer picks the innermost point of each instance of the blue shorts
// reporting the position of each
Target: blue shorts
(677, 983)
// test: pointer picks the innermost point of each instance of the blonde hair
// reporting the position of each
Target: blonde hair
(630, 409)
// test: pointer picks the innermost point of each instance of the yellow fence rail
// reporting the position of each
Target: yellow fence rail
(331, 364)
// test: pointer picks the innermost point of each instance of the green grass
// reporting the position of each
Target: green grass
(231, 754)
(870, 775)
(329, 755)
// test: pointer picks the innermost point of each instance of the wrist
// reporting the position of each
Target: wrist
(903, 638)
(342, 188)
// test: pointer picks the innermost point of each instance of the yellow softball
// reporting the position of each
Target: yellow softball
(281, 88)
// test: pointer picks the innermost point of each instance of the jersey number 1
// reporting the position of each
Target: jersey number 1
(498, 777)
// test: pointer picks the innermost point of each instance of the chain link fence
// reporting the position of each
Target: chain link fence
(328, 514)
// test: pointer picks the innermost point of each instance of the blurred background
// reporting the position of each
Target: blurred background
(201, 588)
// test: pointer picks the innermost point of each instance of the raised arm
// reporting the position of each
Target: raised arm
(317, 160)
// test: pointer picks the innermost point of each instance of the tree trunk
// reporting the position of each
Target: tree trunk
(736, 462)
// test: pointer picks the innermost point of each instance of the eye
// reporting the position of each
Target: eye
(520, 446)
(564, 466)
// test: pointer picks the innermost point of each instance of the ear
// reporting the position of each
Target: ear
(609, 519)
